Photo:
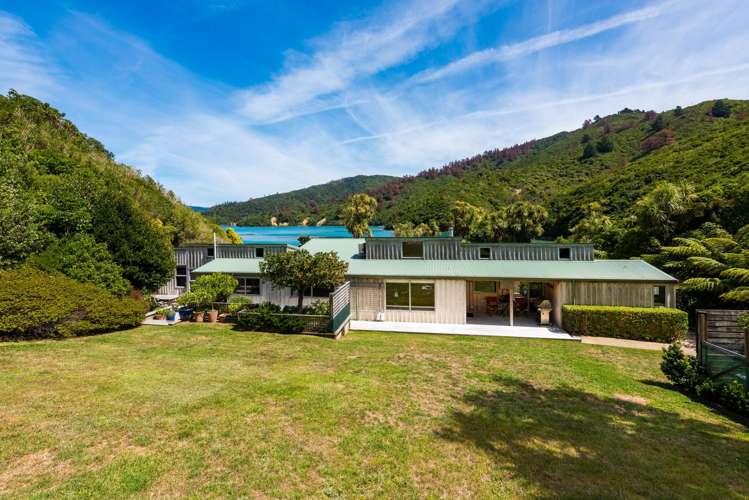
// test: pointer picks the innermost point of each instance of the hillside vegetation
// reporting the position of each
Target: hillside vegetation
(612, 161)
(66, 206)
(314, 203)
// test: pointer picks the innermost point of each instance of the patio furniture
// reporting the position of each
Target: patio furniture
(492, 305)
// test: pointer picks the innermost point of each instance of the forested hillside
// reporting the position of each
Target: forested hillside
(313, 203)
(66, 205)
(612, 160)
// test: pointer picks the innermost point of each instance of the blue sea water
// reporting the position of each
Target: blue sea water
(289, 234)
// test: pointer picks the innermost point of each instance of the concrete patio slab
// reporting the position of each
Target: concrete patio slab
(529, 332)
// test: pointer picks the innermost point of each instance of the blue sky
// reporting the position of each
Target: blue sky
(230, 99)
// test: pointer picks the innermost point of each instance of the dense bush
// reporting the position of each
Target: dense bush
(266, 318)
(687, 373)
(80, 257)
(34, 304)
(637, 323)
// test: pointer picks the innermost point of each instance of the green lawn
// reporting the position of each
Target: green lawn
(206, 411)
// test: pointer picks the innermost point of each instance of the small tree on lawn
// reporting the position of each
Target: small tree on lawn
(300, 271)
(358, 213)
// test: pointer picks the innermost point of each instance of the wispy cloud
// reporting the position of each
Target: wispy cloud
(352, 52)
(536, 44)
(352, 113)
(22, 63)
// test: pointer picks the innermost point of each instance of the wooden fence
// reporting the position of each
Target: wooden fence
(722, 345)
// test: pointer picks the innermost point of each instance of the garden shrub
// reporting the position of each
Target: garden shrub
(266, 318)
(636, 323)
(34, 304)
(685, 372)
(238, 303)
(218, 286)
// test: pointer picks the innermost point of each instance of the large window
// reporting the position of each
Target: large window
(248, 286)
(408, 296)
(413, 250)
(314, 292)
(659, 296)
(181, 276)
(485, 286)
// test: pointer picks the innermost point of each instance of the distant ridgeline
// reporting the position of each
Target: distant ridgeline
(612, 161)
(66, 205)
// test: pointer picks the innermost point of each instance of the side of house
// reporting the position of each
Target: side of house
(444, 280)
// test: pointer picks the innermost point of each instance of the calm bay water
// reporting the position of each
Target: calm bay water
(289, 234)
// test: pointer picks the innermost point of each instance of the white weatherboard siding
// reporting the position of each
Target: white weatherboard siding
(279, 296)
(368, 298)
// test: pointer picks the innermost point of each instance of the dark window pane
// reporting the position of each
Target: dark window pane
(564, 253)
(181, 281)
(181, 270)
(260, 253)
(422, 296)
(485, 253)
(211, 252)
(659, 295)
(396, 295)
(321, 292)
(413, 249)
(485, 286)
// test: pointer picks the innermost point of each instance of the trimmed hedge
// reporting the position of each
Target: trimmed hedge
(34, 304)
(636, 323)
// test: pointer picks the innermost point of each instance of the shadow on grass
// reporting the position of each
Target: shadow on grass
(712, 405)
(565, 442)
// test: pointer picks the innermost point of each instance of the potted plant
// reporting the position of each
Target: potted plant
(160, 313)
(212, 314)
(170, 314)
(544, 308)
(196, 301)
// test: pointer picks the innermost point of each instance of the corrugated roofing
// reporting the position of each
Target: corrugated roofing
(599, 270)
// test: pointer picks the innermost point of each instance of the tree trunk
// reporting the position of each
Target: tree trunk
(300, 300)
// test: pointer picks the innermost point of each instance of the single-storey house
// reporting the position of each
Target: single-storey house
(445, 280)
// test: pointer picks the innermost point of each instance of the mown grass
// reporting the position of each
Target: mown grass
(204, 411)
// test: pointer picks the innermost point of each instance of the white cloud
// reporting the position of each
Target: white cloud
(352, 52)
(536, 44)
(329, 115)
(22, 63)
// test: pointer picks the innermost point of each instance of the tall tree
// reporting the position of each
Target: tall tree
(662, 212)
(467, 219)
(300, 271)
(523, 221)
(358, 213)
(233, 237)
(20, 232)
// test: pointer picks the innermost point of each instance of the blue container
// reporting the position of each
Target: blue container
(185, 313)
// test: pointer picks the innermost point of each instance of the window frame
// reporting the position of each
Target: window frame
(481, 251)
(412, 242)
(476, 290)
(242, 287)
(568, 250)
(184, 276)
(657, 289)
(409, 284)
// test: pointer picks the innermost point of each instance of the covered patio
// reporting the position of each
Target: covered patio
(481, 330)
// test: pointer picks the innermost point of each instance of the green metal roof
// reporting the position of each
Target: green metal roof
(598, 270)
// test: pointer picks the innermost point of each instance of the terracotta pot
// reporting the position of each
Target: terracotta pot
(199, 317)
(213, 316)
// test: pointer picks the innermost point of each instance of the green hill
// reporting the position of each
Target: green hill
(68, 206)
(314, 203)
(628, 153)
